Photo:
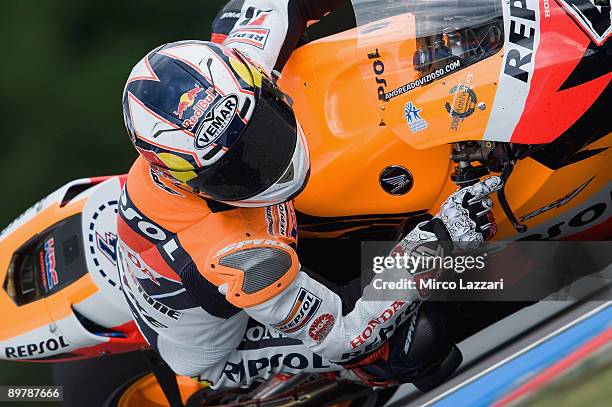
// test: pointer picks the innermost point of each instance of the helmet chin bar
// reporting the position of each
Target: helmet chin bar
(257, 203)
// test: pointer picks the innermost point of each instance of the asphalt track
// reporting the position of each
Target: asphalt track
(514, 347)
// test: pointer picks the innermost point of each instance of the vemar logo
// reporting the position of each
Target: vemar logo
(216, 121)
(304, 307)
(47, 260)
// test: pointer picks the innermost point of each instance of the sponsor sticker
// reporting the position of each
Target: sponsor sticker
(247, 369)
(230, 14)
(385, 316)
(378, 67)
(252, 242)
(200, 108)
(158, 178)
(216, 121)
(186, 100)
(591, 212)
(411, 328)
(282, 219)
(35, 349)
(524, 27)
(396, 180)
(47, 259)
(278, 218)
(256, 37)
(255, 17)
(321, 327)
(269, 220)
(304, 308)
(424, 80)
(522, 24)
(463, 103)
(369, 339)
(158, 307)
(413, 118)
(107, 244)
(102, 240)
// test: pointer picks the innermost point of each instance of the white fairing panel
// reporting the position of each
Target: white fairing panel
(107, 306)
(63, 336)
(53, 198)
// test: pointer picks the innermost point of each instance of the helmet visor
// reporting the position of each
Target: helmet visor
(259, 157)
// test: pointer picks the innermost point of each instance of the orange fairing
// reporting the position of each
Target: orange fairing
(432, 70)
(349, 143)
(54, 307)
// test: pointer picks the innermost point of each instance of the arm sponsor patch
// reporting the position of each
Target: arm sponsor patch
(304, 308)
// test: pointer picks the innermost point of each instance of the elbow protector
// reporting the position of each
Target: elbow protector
(254, 270)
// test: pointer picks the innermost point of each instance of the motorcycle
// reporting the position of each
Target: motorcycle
(525, 88)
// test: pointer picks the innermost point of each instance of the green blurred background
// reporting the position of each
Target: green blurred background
(64, 65)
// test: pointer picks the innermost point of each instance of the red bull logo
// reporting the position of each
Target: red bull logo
(186, 100)
(200, 108)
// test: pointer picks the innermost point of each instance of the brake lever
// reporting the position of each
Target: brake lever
(508, 166)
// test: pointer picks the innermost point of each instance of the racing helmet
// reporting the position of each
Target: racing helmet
(212, 122)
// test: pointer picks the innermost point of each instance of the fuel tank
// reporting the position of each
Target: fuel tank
(359, 167)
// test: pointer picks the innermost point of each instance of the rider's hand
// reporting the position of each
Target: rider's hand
(464, 217)
(467, 213)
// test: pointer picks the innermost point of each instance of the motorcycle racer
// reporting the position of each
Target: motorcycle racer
(207, 230)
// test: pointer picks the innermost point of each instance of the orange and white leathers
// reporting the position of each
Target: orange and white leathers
(193, 277)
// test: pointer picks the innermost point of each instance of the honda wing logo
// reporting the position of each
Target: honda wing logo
(396, 180)
(399, 182)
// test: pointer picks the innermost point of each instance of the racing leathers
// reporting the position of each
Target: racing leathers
(193, 278)
(201, 278)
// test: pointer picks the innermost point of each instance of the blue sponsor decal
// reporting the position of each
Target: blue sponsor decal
(107, 244)
(414, 120)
